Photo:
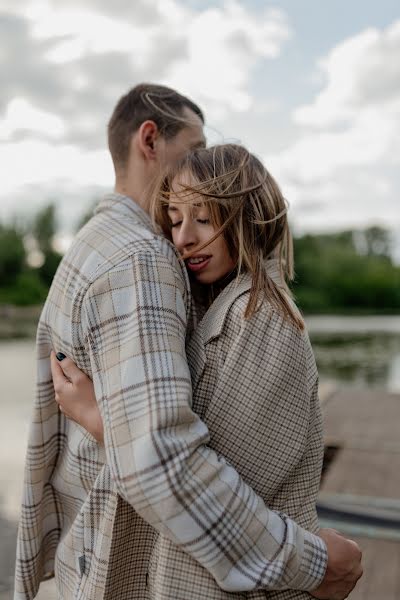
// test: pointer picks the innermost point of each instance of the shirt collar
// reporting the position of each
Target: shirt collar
(126, 207)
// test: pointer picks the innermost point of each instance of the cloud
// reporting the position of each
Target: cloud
(21, 117)
(71, 61)
(362, 73)
(71, 75)
(146, 12)
(351, 129)
(37, 163)
(23, 69)
(318, 155)
(75, 59)
(38, 173)
(218, 71)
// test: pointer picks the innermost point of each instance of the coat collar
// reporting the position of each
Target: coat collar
(126, 207)
(213, 321)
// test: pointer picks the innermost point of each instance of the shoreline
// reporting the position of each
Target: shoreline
(18, 322)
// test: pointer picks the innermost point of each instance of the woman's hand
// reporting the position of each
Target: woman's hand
(74, 393)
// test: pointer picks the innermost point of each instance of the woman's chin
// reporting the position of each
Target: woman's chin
(212, 278)
(205, 278)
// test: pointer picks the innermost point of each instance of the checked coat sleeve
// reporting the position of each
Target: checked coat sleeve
(135, 317)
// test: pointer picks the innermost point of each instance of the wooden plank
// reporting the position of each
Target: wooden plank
(384, 583)
(381, 571)
(356, 418)
(364, 473)
(365, 425)
(361, 590)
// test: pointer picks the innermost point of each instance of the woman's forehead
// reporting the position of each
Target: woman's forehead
(182, 180)
(180, 198)
(183, 206)
(179, 205)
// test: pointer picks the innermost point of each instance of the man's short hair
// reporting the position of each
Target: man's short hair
(144, 102)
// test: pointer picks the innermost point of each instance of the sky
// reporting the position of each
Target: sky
(312, 87)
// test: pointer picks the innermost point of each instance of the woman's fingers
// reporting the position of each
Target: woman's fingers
(75, 396)
(69, 368)
(59, 379)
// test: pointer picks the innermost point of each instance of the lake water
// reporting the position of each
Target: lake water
(357, 351)
(350, 351)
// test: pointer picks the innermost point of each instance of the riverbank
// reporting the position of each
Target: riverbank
(18, 321)
(353, 325)
(21, 322)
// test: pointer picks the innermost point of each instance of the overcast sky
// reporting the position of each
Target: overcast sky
(311, 86)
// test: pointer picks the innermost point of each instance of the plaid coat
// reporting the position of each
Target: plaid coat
(102, 518)
(255, 386)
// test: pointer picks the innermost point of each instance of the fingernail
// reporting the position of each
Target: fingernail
(60, 356)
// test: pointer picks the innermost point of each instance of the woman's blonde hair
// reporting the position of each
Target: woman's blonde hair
(247, 207)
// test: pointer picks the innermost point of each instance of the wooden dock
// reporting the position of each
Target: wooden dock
(363, 429)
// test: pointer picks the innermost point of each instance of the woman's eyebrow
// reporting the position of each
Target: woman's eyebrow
(172, 209)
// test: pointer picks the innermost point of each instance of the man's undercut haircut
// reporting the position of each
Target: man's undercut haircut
(145, 102)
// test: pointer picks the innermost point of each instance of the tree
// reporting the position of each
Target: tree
(347, 271)
(44, 227)
(87, 215)
(49, 267)
(378, 242)
(12, 254)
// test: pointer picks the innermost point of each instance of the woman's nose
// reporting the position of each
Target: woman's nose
(186, 235)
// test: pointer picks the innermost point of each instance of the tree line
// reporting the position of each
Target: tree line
(28, 260)
(346, 272)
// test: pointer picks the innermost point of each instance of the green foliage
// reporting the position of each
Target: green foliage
(49, 267)
(346, 272)
(377, 241)
(350, 271)
(44, 227)
(12, 254)
(20, 284)
(28, 289)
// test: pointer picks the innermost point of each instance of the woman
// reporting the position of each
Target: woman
(253, 372)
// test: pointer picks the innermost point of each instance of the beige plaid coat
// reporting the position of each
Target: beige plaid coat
(255, 386)
(161, 511)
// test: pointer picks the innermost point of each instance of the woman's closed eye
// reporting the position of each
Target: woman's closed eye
(201, 221)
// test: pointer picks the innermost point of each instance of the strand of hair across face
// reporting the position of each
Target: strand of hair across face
(199, 189)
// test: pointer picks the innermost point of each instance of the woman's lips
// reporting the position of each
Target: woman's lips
(198, 263)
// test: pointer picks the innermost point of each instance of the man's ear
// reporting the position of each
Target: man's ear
(148, 134)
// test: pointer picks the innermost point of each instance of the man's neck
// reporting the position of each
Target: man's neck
(136, 195)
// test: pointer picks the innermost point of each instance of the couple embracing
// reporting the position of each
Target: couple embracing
(176, 445)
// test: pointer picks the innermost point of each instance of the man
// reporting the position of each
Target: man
(119, 306)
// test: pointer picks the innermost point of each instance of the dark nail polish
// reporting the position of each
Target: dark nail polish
(82, 564)
(60, 356)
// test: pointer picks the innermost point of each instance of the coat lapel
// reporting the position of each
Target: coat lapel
(212, 323)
